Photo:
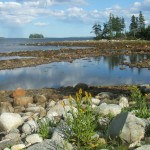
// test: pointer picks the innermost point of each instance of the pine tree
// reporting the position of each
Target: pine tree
(141, 21)
(97, 29)
(122, 24)
(134, 25)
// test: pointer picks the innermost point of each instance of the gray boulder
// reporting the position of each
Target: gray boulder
(108, 109)
(9, 121)
(128, 127)
(144, 147)
(59, 109)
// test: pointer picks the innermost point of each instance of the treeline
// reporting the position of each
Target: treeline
(36, 36)
(114, 28)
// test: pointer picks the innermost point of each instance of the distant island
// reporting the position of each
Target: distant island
(36, 36)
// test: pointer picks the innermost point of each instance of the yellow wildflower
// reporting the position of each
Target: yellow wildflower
(62, 103)
(80, 91)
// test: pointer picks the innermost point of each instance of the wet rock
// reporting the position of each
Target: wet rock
(6, 107)
(82, 86)
(18, 92)
(9, 121)
(23, 101)
(128, 127)
(34, 138)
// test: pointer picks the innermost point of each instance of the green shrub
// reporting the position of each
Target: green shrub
(83, 124)
(141, 109)
(45, 126)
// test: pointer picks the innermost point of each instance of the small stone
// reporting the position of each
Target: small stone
(6, 107)
(15, 137)
(23, 101)
(6, 149)
(110, 109)
(18, 92)
(30, 127)
(18, 147)
(59, 109)
(51, 104)
(34, 138)
(40, 100)
(123, 102)
(19, 109)
(104, 95)
(95, 101)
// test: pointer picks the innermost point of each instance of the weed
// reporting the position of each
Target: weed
(83, 124)
(141, 109)
(45, 128)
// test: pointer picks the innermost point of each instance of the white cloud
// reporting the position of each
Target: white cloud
(23, 12)
(53, 2)
(41, 24)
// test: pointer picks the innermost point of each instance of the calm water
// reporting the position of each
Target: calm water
(93, 71)
(14, 45)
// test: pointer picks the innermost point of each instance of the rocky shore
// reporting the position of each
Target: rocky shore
(21, 110)
(94, 49)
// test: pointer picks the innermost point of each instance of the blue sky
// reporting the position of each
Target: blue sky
(63, 18)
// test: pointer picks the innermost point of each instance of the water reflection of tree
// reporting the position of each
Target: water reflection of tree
(115, 60)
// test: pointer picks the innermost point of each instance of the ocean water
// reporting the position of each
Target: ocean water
(15, 44)
(93, 71)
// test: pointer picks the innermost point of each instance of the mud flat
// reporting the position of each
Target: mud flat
(94, 49)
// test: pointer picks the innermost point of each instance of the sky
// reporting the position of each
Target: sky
(64, 18)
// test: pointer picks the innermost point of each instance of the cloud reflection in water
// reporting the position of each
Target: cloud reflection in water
(91, 71)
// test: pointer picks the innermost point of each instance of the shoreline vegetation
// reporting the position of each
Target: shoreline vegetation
(36, 36)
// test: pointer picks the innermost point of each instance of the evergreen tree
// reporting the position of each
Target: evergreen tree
(96, 29)
(110, 24)
(141, 21)
(134, 25)
(122, 24)
(106, 30)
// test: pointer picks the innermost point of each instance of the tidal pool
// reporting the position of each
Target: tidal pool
(92, 71)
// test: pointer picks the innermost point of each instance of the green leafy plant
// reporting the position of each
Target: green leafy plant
(45, 127)
(82, 124)
(141, 109)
